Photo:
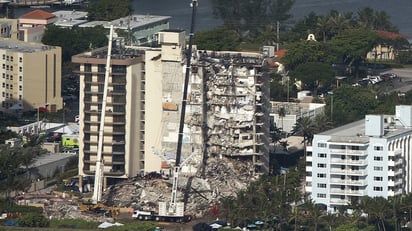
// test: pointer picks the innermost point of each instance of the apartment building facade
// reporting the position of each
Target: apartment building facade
(371, 157)
(124, 122)
(31, 76)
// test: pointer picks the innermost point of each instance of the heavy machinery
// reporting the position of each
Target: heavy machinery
(90, 206)
(174, 211)
(94, 204)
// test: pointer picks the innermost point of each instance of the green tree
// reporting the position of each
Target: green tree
(313, 75)
(218, 39)
(352, 103)
(108, 10)
(306, 128)
(304, 52)
(375, 20)
(76, 40)
(352, 45)
(314, 213)
(377, 209)
(249, 17)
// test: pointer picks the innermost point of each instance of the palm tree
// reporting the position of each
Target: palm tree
(322, 123)
(306, 128)
(330, 219)
(323, 27)
(314, 213)
(376, 208)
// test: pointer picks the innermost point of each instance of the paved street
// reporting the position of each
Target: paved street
(401, 84)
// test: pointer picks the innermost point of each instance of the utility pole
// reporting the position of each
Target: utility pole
(277, 35)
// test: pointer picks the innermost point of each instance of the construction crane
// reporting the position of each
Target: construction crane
(173, 206)
(98, 176)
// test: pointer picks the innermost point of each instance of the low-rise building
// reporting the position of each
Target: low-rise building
(370, 157)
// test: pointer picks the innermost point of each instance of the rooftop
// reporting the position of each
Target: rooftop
(50, 158)
(38, 14)
(355, 131)
(23, 47)
(136, 21)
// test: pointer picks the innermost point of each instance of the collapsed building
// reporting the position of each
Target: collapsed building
(236, 106)
(226, 121)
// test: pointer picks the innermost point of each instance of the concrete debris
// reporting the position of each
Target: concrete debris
(223, 178)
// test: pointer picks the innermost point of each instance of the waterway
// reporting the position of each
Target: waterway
(400, 11)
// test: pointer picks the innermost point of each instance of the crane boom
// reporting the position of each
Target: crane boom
(98, 176)
(173, 205)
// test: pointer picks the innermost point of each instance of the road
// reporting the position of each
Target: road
(401, 84)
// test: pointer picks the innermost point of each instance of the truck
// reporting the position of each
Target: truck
(153, 216)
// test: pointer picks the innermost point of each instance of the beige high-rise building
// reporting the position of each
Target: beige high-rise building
(30, 76)
(227, 112)
(123, 145)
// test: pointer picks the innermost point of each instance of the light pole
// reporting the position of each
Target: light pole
(331, 105)
(38, 120)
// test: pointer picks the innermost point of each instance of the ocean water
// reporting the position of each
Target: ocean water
(400, 11)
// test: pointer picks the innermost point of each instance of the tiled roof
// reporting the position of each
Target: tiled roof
(38, 14)
(391, 35)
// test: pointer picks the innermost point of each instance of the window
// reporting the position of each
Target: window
(378, 158)
(11, 58)
(321, 185)
(20, 78)
(321, 175)
(322, 155)
(20, 69)
(378, 178)
(378, 168)
(378, 148)
(11, 77)
(20, 59)
(20, 88)
(321, 195)
(321, 165)
(4, 75)
(20, 97)
(380, 189)
(322, 145)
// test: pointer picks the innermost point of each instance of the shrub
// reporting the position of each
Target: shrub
(33, 220)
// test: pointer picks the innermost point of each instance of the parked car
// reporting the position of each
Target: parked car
(388, 76)
(375, 79)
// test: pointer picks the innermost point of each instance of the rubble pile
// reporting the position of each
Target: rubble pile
(223, 178)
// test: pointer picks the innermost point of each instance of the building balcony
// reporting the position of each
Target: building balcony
(338, 201)
(348, 152)
(348, 162)
(348, 192)
(347, 182)
(395, 153)
(396, 172)
(348, 172)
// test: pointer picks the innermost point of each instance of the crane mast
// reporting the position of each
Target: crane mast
(99, 171)
(173, 204)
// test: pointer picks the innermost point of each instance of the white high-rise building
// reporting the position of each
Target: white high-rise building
(370, 157)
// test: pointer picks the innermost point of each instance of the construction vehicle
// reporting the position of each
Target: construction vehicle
(174, 211)
(90, 206)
